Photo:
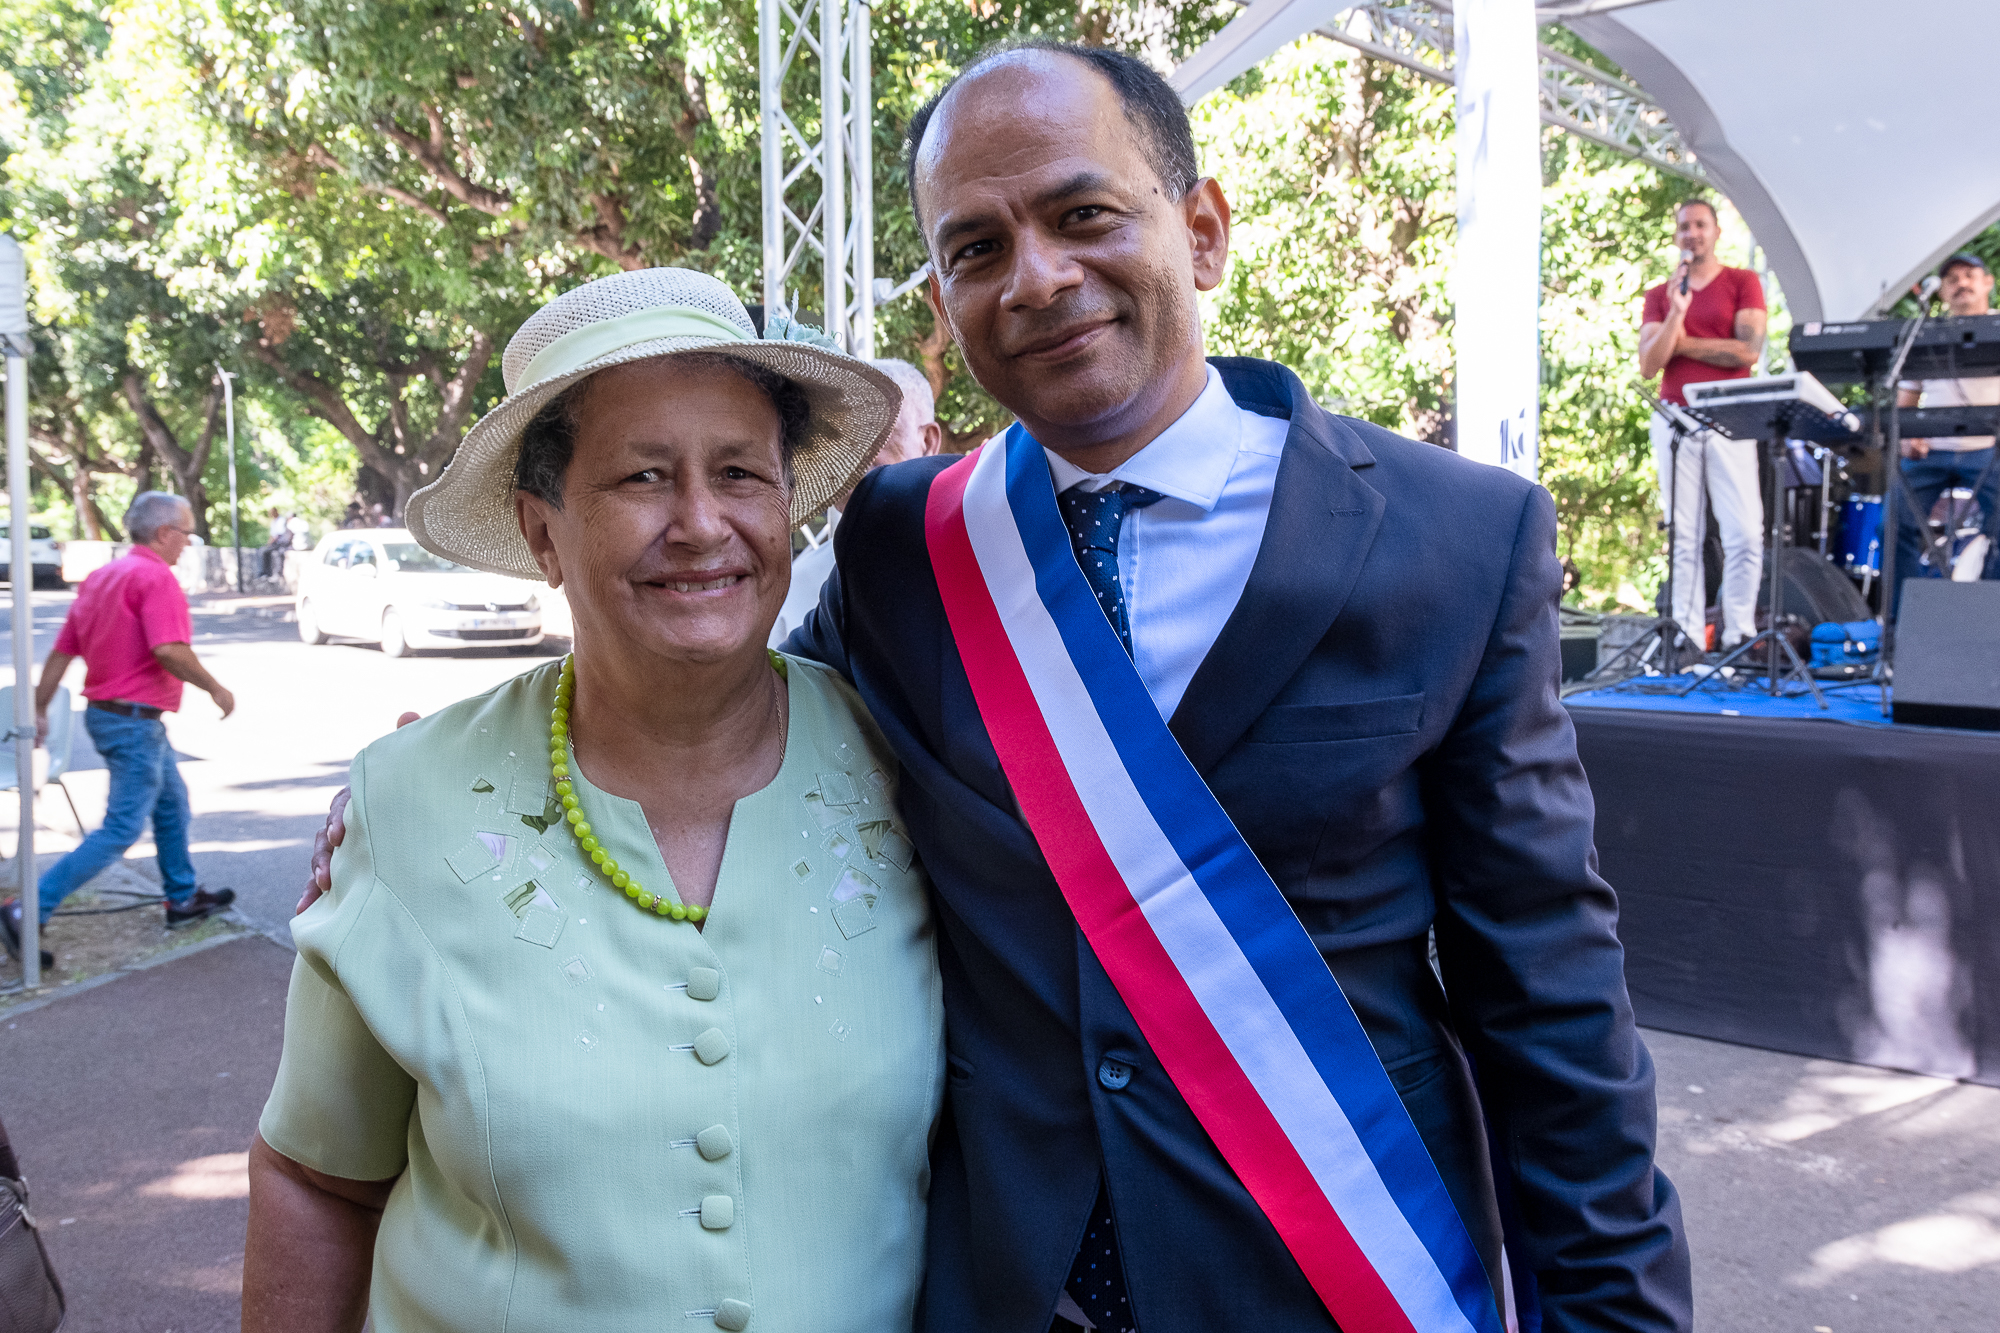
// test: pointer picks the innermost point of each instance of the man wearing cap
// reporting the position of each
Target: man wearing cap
(1948, 462)
(130, 626)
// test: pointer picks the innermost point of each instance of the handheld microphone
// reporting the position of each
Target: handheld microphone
(1687, 266)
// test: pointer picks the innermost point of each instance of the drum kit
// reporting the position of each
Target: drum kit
(1851, 456)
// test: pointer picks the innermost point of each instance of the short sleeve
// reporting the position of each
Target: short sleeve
(1656, 306)
(340, 1104)
(163, 613)
(67, 641)
(1749, 291)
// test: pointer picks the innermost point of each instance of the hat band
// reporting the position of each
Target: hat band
(580, 347)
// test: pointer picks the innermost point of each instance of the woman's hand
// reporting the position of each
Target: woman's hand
(310, 1248)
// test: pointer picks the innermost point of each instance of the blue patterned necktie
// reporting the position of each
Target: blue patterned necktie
(1096, 1277)
(1094, 519)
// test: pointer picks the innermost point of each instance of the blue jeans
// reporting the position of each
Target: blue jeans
(1924, 480)
(145, 781)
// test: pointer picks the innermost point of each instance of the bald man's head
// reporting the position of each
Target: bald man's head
(1151, 106)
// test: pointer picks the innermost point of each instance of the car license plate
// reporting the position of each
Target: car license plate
(492, 622)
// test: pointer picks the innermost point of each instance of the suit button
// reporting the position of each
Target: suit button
(711, 1047)
(714, 1143)
(704, 983)
(1113, 1074)
(717, 1212)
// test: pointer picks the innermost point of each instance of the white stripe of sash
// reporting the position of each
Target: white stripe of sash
(1200, 945)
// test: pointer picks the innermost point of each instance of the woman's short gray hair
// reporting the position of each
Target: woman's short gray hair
(153, 510)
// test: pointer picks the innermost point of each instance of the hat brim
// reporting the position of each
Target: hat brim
(468, 514)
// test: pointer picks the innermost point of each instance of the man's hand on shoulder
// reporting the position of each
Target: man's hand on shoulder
(320, 877)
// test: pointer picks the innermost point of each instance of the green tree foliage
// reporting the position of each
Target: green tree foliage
(353, 206)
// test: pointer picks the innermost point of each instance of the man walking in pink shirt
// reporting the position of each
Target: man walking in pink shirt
(131, 627)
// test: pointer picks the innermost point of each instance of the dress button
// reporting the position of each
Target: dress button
(711, 1047)
(733, 1315)
(704, 983)
(714, 1143)
(1113, 1074)
(717, 1212)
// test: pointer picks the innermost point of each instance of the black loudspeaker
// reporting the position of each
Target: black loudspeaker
(1815, 590)
(1948, 655)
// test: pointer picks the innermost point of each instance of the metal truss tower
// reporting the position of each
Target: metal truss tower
(819, 196)
(1575, 96)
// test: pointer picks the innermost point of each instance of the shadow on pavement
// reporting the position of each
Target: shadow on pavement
(132, 1106)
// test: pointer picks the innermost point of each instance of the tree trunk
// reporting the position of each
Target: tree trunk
(185, 464)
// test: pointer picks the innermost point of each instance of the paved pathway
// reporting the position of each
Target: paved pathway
(131, 1105)
(1819, 1196)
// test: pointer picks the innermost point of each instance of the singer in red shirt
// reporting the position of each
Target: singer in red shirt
(1706, 323)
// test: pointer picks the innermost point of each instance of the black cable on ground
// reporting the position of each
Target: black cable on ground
(144, 900)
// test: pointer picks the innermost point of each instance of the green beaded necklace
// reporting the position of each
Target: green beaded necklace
(579, 827)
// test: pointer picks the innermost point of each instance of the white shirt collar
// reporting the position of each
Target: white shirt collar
(1189, 460)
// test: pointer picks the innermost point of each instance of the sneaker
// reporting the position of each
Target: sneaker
(198, 908)
(10, 933)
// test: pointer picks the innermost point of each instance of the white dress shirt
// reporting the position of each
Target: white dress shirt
(1185, 561)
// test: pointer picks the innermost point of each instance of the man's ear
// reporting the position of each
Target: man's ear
(933, 435)
(1207, 213)
(935, 295)
(534, 514)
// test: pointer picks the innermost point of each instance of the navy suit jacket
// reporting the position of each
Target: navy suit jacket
(1380, 717)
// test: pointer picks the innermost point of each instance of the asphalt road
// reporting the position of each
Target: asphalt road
(260, 780)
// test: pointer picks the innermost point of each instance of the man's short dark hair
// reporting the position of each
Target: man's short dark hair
(1698, 202)
(548, 442)
(1151, 105)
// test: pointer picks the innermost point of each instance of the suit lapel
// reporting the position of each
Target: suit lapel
(1323, 520)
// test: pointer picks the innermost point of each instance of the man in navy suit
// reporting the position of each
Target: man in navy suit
(1354, 639)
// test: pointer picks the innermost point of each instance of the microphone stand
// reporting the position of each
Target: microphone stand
(1665, 633)
(1894, 498)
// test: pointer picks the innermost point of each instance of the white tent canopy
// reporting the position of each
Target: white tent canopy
(1853, 137)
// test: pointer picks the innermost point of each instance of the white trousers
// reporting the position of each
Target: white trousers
(1724, 473)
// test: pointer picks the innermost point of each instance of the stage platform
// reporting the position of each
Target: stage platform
(1846, 701)
(1804, 881)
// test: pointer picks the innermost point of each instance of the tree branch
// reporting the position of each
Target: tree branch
(431, 159)
(607, 238)
(323, 401)
(456, 397)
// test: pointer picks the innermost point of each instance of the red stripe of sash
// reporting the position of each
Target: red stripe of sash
(1194, 1054)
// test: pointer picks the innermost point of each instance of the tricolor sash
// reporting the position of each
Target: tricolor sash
(1217, 970)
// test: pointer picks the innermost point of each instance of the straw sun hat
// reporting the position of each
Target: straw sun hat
(467, 515)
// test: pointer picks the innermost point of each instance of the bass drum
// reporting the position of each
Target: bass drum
(1815, 590)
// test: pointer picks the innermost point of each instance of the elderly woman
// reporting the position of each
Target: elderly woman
(622, 1011)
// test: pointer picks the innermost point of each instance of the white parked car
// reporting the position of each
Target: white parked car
(378, 584)
(44, 553)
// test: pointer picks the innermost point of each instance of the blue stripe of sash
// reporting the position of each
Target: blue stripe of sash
(1242, 892)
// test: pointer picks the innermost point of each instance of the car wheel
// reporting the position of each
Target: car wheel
(393, 642)
(309, 629)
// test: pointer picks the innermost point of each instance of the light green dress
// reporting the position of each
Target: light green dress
(603, 1119)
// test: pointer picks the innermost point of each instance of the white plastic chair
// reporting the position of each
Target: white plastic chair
(62, 737)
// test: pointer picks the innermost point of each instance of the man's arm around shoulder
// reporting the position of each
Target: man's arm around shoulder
(1532, 966)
